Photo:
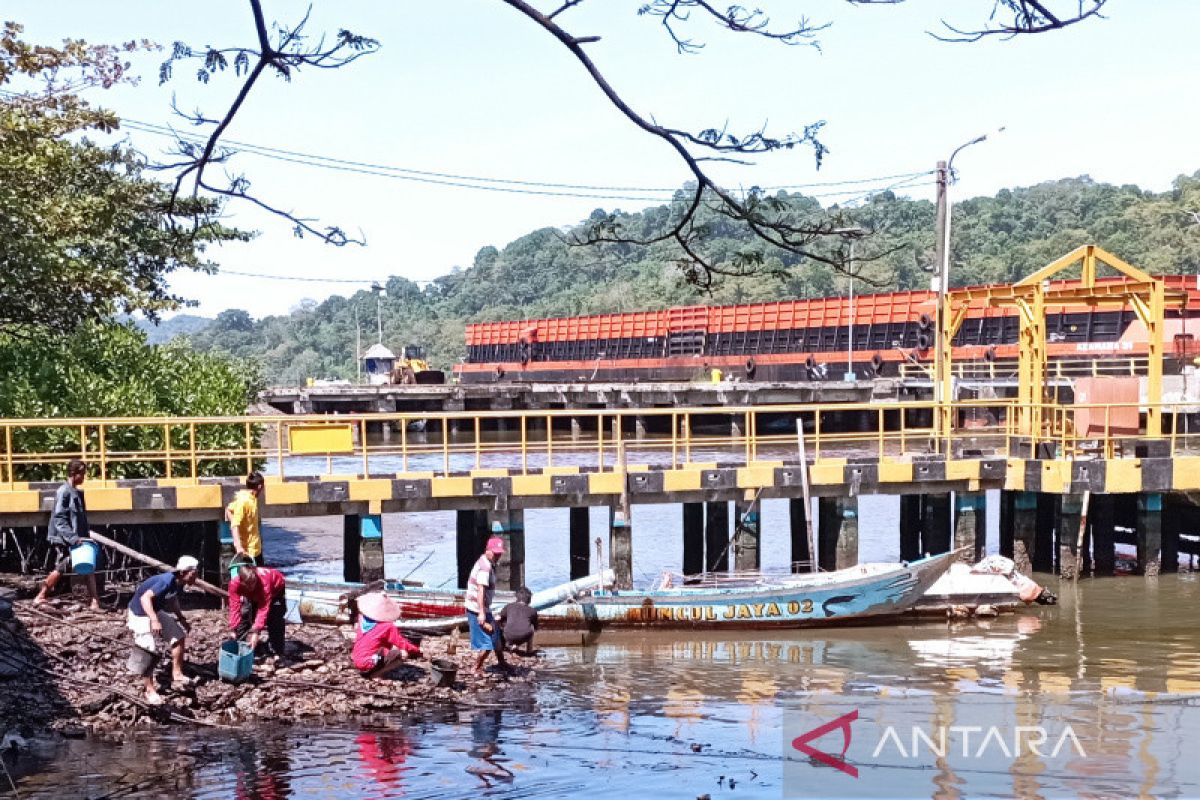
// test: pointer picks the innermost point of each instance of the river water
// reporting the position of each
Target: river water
(1106, 686)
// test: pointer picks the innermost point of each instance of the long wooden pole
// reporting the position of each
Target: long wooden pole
(812, 550)
(1083, 515)
(153, 562)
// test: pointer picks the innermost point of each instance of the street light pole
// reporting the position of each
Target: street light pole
(853, 234)
(378, 290)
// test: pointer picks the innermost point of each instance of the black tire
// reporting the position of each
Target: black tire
(751, 367)
(923, 341)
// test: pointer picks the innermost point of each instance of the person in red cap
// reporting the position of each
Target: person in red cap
(262, 589)
(485, 636)
(379, 647)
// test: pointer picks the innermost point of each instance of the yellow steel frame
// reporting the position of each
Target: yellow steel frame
(1147, 295)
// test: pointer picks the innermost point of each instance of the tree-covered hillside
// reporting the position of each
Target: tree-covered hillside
(541, 274)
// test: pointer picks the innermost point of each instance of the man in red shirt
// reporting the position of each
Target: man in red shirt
(379, 647)
(263, 589)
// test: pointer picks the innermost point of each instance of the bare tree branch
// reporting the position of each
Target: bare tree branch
(1010, 18)
(735, 18)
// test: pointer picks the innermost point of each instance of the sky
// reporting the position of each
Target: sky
(472, 88)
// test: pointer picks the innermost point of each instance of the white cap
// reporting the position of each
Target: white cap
(185, 563)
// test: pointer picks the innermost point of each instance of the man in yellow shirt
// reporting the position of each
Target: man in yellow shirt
(242, 516)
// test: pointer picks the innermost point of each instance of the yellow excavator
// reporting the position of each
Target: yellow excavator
(413, 368)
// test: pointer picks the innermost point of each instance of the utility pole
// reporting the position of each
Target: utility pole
(939, 285)
(378, 290)
(357, 348)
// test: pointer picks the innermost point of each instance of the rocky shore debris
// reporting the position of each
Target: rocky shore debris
(66, 672)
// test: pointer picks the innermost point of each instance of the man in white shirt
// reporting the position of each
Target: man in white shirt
(481, 586)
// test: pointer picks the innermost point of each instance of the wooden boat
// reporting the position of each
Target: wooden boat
(829, 598)
(421, 608)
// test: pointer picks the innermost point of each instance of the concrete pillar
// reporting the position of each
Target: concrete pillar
(935, 524)
(576, 429)
(362, 548)
(1100, 526)
(970, 524)
(620, 548)
(471, 528)
(1149, 533)
(1043, 547)
(225, 538)
(693, 538)
(746, 537)
(837, 534)
(639, 427)
(385, 431)
(716, 536)
(910, 527)
(1024, 526)
(735, 426)
(1007, 522)
(509, 526)
(1069, 510)
(580, 531)
(1172, 523)
(798, 519)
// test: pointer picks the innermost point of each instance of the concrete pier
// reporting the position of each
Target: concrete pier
(1149, 533)
(970, 524)
(225, 550)
(935, 524)
(798, 524)
(509, 526)
(693, 538)
(1069, 511)
(580, 531)
(362, 544)
(1100, 526)
(910, 527)
(471, 529)
(746, 537)
(1043, 557)
(716, 536)
(620, 548)
(837, 545)
(1172, 523)
(1024, 530)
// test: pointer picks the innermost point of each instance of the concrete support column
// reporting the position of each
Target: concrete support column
(935, 524)
(746, 537)
(1024, 530)
(1043, 548)
(1007, 520)
(509, 526)
(837, 534)
(798, 519)
(735, 426)
(910, 527)
(579, 553)
(576, 429)
(639, 427)
(1172, 523)
(225, 549)
(970, 524)
(620, 548)
(1069, 510)
(716, 536)
(693, 538)
(1100, 526)
(385, 431)
(471, 529)
(1149, 533)
(362, 548)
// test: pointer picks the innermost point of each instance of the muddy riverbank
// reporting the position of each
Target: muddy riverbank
(63, 670)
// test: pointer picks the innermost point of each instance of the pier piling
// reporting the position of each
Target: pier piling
(935, 524)
(910, 527)
(580, 528)
(620, 548)
(1067, 530)
(1024, 530)
(1100, 526)
(693, 538)
(746, 538)
(1149, 533)
(362, 546)
(716, 536)
(837, 535)
(1042, 557)
(225, 551)
(798, 519)
(970, 524)
(510, 526)
(471, 535)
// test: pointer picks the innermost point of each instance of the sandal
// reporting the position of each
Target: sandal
(183, 683)
(153, 699)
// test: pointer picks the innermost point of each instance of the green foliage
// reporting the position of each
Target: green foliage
(83, 234)
(999, 238)
(110, 371)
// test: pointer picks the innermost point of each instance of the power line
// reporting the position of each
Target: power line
(303, 279)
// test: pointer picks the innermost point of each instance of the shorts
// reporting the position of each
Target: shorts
(480, 639)
(61, 553)
(523, 639)
(143, 637)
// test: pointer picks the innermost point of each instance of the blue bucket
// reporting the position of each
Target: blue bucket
(84, 557)
(237, 661)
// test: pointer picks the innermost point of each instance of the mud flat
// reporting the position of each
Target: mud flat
(63, 670)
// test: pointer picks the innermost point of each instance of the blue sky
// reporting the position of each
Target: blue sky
(471, 87)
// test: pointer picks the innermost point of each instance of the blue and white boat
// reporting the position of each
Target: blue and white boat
(859, 593)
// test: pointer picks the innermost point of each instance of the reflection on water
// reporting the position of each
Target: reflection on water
(662, 715)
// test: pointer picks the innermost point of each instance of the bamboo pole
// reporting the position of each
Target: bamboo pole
(812, 550)
(154, 562)
(1083, 515)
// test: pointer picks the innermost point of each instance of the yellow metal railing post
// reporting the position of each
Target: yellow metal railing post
(404, 445)
(8, 453)
(881, 446)
(103, 454)
(167, 444)
(278, 447)
(1174, 430)
(192, 452)
(83, 442)
(687, 437)
(600, 442)
(524, 447)
(362, 442)
(478, 446)
(674, 440)
(446, 445)
(746, 436)
(250, 452)
(817, 433)
(549, 441)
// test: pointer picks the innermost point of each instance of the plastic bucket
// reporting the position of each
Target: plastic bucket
(84, 557)
(236, 662)
(443, 671)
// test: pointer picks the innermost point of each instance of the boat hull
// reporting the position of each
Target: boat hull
(850, 596)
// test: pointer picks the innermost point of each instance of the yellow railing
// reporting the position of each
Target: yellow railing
(188, 449)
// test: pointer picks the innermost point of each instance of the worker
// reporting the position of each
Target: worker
(261, 588)
(481, 586)
(154, 611)
(379, 646)
(242, 516)
(519, 621)
(68, 529)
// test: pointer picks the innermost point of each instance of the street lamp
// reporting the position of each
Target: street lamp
(945, 175)
(379, 293)
(852, 234)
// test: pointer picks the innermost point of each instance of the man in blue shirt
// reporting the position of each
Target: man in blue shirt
(68, 528)
(154, 611)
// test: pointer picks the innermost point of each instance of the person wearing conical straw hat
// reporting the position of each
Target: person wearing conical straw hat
(379, 647)
(481, 586)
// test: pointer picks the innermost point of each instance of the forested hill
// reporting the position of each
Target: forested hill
(997, 238)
